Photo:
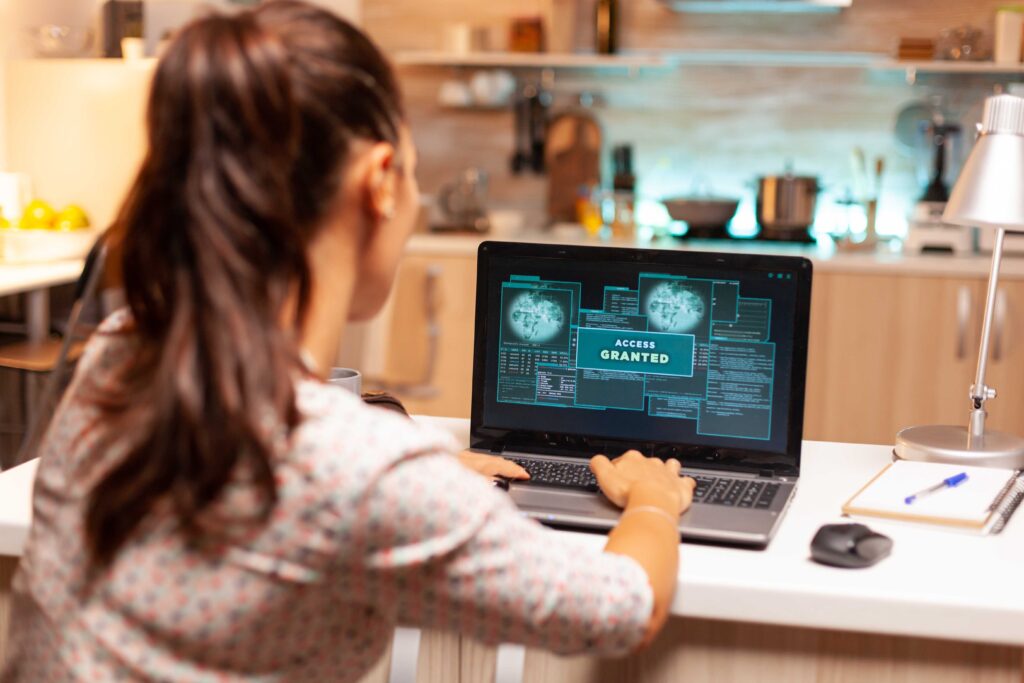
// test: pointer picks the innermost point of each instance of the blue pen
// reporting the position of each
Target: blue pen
(948, 482)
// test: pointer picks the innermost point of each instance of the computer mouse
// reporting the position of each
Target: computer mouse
(849, 545)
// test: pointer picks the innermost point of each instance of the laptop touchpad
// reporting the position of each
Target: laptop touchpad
(562, 500)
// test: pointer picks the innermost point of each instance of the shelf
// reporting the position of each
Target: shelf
(530, 60)
(949, 67)
(633, 61)
(776, 58)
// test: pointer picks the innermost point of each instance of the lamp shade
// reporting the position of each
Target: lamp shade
(990, 190)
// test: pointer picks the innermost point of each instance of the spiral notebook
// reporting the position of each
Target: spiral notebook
(983, 503)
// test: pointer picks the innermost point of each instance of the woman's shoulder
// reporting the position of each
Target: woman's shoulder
(340, 435)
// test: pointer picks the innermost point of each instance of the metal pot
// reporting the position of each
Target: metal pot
(786, 204)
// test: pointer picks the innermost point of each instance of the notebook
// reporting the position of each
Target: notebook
(984, 502)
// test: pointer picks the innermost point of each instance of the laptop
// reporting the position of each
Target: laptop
(691, 355)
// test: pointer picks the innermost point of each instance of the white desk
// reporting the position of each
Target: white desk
(936, 585)
(34, 280)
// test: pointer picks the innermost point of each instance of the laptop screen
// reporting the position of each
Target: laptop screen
(701, 352)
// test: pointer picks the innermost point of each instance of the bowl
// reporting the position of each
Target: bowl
(55, 40)
(19, 246)
(702, 212)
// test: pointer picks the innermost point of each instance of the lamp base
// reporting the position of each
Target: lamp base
(948, 444)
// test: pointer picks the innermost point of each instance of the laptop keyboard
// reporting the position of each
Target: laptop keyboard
(741, 493)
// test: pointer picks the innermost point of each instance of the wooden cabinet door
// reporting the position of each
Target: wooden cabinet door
(888, 352)
(1005, 369)
(427, 336)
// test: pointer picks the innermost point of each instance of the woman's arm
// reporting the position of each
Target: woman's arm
(447, 550)
(653, 496)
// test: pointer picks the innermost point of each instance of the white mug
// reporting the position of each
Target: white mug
(347, 378)
(133, 49)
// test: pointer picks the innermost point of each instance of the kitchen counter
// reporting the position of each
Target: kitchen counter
(936, 584)
(824, 256)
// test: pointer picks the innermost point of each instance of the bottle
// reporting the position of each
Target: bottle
(623, 189)
(607, 29)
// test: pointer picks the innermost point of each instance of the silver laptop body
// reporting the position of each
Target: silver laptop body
(732, 412)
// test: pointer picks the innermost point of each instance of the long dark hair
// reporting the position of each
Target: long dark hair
(250, 121)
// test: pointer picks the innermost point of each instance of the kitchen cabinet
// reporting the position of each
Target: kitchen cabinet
(421, 347)
(893, 351)
(888, 348)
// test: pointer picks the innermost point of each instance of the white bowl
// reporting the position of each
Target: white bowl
(38, 246)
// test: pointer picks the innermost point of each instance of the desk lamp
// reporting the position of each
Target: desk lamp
(990, 195)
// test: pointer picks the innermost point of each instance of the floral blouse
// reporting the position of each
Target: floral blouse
(377, 524)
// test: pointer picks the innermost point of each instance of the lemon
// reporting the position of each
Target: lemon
(38, 215)
(71, 217)
(4, 223)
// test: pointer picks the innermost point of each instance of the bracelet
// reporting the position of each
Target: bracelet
(674, 521)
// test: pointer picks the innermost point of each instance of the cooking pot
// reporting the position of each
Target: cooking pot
(705, 216)
(785, 205)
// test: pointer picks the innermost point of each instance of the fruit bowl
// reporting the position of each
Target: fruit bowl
(37, 246)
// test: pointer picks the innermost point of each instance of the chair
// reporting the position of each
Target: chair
(45, 364)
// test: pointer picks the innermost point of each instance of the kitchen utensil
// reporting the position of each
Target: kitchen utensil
(785, 206)
(54, 40)
(572, 156)
(707, 217)
(464, 202)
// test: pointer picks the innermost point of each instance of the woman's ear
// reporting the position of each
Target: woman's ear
(381, 183)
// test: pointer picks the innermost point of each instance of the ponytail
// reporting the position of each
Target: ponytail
(250, 120)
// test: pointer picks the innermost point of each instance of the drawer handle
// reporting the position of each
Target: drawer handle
(963, 318)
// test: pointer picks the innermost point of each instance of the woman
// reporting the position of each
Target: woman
(206, 507)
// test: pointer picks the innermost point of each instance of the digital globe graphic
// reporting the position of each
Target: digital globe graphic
(675, 307)
(536, 317)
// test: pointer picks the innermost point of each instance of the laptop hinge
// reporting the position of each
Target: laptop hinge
(766, 473)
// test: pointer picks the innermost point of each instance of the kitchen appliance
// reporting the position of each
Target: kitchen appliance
(785, 207)
(928, 231)
(706, 217)
(463, 203)
(531, 113)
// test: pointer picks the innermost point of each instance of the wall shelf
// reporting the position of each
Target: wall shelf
(531, 60)
(634, 61)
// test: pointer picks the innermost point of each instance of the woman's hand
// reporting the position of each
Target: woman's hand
(492, 466)
(631, 474)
